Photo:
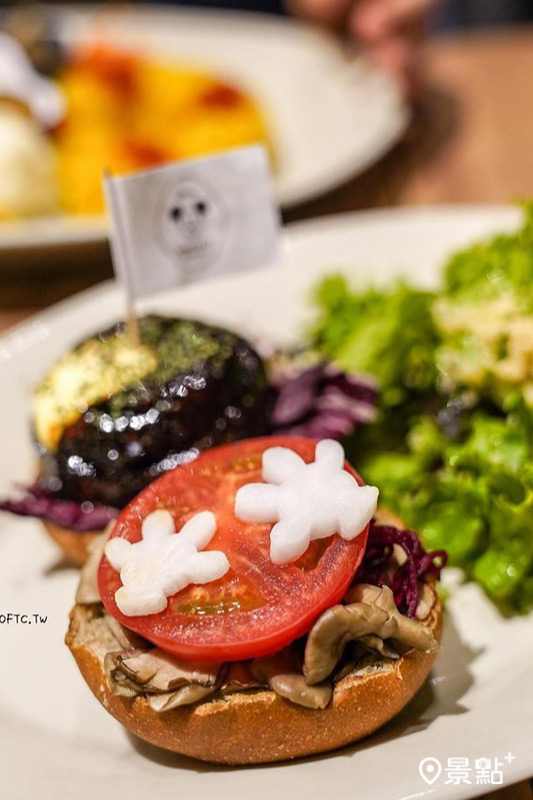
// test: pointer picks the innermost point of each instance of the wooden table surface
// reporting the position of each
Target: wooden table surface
(471, 141)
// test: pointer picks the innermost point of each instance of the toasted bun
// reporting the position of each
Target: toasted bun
(74, 544)
(259, 726)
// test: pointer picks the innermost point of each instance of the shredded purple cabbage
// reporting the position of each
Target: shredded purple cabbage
(403, 580)
(41, 503)
(322, 402)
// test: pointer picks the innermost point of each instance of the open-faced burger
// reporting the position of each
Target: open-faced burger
(252, 606)
(112, 415)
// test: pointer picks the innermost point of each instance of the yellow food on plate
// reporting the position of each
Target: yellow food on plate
(27, 166)
(127, 112)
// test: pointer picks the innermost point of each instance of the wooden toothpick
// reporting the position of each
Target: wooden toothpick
(132, 326)
(119, 256)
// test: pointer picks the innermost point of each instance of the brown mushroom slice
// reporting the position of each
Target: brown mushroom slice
(373, 613)
(184, 696)
(399, 555)
(376, 645)
(425, 602)
(280, 673)
(333, 630)
(156, 672)
(410, 632)
(293, 687)
(120, 683)
(125, 689)
(138, 667)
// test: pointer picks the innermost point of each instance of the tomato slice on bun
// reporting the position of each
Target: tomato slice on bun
(256, 608)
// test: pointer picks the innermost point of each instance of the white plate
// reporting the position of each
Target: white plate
(329, 118)
(58, 743)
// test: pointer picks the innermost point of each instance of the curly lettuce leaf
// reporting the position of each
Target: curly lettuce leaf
(501, 264)
(509, 557)
(472, 496)
(389, 335)
(493, 443)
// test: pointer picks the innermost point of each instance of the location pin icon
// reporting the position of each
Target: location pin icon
(430, 769)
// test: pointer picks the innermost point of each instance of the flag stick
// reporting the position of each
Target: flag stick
(119, 256)
(132, 326)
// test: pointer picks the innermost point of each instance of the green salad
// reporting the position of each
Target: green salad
(452, 448)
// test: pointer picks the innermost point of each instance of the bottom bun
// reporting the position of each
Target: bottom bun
(259, 726)
(74, 544)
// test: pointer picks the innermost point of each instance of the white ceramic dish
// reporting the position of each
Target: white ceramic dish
(329, 118)
(57, 742)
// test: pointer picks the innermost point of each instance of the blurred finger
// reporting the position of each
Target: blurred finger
(326, 12)
(396, 55)
(372, 20)
(401, 58)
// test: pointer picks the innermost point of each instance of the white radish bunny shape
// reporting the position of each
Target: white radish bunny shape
(164, 562)
(307, 501)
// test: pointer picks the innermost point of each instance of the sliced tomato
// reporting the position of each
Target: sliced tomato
(257, 607)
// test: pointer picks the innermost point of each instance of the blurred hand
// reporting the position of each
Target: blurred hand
(392, 31)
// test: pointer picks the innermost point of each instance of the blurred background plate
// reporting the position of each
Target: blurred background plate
(330, 116)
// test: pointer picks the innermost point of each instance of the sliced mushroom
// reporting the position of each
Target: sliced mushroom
(184, 696)
(372, 613)
(331, 633)
(156, 672)
(139, 667)
(375, 644)
(293, 687)
(399, 556)
(87, 591)
(425, 602)
(281, 673)
(410, 632)
(120, 683)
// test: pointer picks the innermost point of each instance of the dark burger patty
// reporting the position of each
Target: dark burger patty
(209, 388)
